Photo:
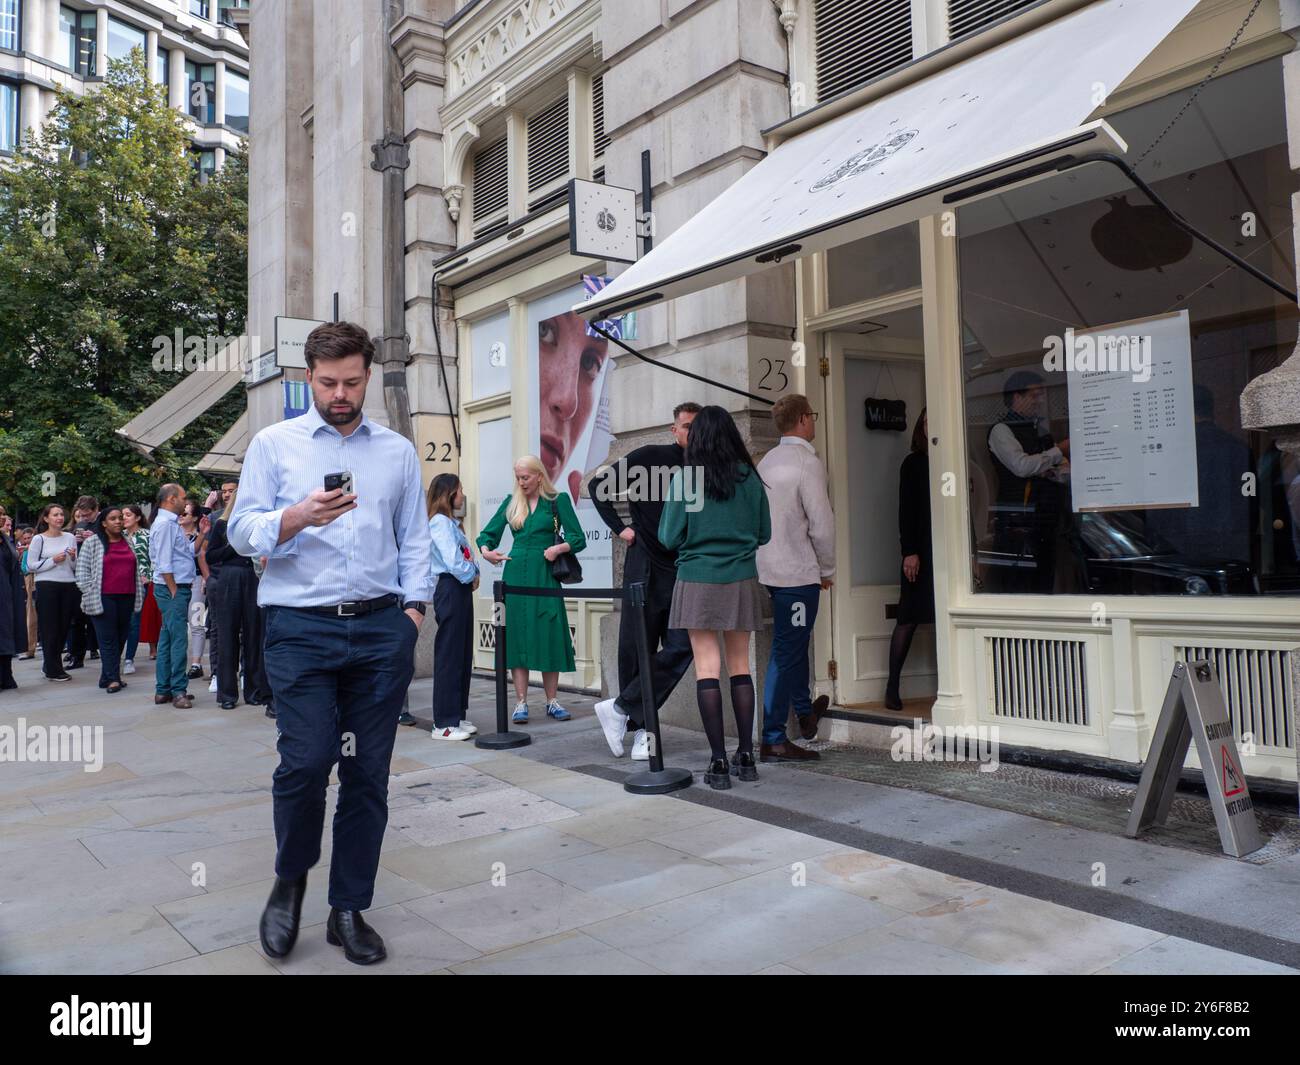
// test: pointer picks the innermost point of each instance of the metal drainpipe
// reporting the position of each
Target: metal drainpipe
(391, 159)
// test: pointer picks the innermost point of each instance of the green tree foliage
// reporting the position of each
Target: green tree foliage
(107, 243)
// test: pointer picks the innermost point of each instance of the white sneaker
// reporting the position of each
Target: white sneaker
(468, 727)
(641, 746)
(456, 733)
(128, 667)
(213, 686)
(614, 723)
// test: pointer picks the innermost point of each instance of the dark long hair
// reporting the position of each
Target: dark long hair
(442, 490)
(920, 445)
(43, 522)
(98, 527)
(139, 513)
(715, 446)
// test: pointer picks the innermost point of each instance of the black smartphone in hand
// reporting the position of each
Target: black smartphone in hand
(339, 480)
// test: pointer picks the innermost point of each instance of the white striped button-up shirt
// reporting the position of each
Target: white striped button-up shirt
(380, 548)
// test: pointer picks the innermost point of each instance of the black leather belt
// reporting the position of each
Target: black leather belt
(354, 610)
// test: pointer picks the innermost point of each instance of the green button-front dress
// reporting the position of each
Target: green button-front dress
(537, 628)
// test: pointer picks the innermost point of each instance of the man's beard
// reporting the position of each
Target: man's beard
(333, 417)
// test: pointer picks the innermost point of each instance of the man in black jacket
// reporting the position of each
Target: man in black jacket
(641, 477)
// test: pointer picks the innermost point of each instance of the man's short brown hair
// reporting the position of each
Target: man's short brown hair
(338, 340)
(787, 411)
(686, 408)
(87, 503)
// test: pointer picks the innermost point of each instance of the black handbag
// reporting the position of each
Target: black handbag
(565, 568)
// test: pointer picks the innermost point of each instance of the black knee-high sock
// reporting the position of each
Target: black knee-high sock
(742, 704)
(708, 693)
(899, 645)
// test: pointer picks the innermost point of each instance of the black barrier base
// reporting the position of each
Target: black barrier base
(652, 783)
(503, 741)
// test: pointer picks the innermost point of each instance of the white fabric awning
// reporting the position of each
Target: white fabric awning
(915, 152)
(197, 393)
(227, 454)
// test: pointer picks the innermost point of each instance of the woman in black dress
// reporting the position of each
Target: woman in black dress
(916, 600)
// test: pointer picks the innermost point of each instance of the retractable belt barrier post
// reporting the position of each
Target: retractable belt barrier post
(657, 779)
(502, 738)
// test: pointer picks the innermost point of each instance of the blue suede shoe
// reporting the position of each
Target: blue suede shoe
(556, 711)
(520, 716)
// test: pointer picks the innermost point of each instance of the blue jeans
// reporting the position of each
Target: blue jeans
(172, 670)
(338, 685)
(794, 610)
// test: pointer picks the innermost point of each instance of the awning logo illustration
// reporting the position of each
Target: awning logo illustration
(861, 162)
(1234, 783)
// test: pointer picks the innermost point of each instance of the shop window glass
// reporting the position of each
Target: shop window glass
(874, 266)
(1163, 492)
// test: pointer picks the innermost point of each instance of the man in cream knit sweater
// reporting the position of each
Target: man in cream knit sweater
(796, 565)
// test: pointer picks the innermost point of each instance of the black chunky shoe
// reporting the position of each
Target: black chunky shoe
(743, 767)
(278, 929)
(361, 944)
(718, 775)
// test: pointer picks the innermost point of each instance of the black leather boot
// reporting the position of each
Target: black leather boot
(361, 944)
(278, 928)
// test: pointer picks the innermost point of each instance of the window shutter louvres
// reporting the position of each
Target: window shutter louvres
(548, 145)
(491, 181)
(857, 40)
(600, 139)
(967, 16)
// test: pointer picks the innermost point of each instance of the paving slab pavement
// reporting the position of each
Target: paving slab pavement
(537, 861)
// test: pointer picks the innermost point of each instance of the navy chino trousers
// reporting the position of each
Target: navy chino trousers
(338, 685)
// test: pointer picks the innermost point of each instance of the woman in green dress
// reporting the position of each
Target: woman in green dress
(537, 627)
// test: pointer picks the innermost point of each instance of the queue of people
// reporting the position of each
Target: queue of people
(116, 580)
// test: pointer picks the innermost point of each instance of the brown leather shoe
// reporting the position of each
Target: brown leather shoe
(161, 700)
(786, 752)
(183, 702)
(808, 725)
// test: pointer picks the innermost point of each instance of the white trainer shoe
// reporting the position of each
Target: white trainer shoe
(614, 723)
(455, 733)
(128, 667)
(468, 726)
(641, 746)
(213, 686)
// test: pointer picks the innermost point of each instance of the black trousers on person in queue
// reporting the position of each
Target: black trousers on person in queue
(111, 630)
(233, 610)
(453, 650)
(670, 649)
(55, 603)
(82, 635)
(338, 684)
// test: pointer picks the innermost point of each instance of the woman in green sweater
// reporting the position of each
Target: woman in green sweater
(716, 518)
(537, 627)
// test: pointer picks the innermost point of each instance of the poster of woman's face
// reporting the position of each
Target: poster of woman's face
(570, 381)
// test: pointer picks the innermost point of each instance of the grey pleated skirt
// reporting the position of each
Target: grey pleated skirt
(735, 607)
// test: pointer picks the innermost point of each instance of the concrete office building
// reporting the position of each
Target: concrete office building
(48, 45)
(840, 262)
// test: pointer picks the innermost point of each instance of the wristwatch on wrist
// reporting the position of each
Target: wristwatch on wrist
(415, 604)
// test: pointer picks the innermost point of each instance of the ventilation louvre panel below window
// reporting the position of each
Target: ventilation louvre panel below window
(1038, 680)
(1256, 685)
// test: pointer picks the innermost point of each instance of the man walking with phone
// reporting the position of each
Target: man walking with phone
(346, 584)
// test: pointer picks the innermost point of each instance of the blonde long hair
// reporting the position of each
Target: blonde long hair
(517, 512)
